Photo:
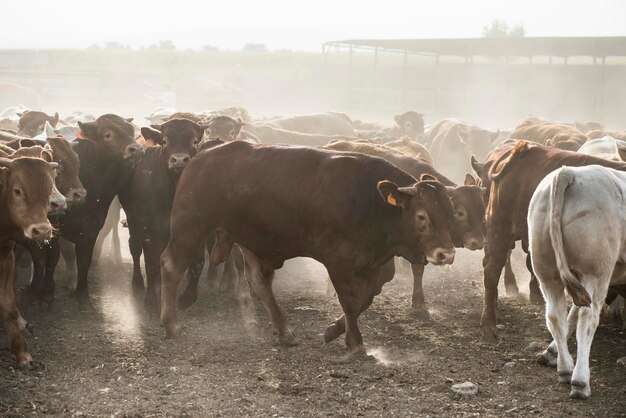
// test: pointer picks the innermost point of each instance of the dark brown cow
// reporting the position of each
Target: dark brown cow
(107, 153)
(25, 187)
(469, 208)
(32, 122)
(514, 176)
(349, 211)
(224, 128)
(152, 192)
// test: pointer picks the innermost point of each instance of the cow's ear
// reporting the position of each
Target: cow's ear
(621, 150)
(389, 192)
(23, 143)
(88, 130)
(397, 119)
(152, 134)
(4, 173)
(200, 128)
(54, 119)
(495, 135)
(129, 120)
(469, 180)
(478, 167)
(427, 177)
(46, 155)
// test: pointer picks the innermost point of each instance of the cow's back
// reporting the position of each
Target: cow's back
(330, 123)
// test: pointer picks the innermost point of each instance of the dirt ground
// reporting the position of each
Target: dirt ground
(115, 361)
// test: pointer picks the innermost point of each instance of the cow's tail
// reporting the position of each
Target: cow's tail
(560, 183)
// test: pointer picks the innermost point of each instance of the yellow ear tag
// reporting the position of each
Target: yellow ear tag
(391, 200)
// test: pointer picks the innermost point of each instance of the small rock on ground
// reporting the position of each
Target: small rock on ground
(465, 388)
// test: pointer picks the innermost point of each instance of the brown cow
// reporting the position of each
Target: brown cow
(223, 127)
(409, 124)
(25, 187)
(542, 132)
(349, 211)
(514, 177)
(411, 148)
(469, 208)
(329, 123)
(32, 122)
(270, 135)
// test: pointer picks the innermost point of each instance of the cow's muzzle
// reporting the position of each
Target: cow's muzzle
(441, 256)
(133, 152)
(178, 161)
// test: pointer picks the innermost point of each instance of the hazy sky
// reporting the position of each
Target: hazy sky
(291, 24)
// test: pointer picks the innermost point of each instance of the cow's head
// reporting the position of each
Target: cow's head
(224, 128)
(411, 124)
(178, 139)
(469, 214)
(32, 122)
(57, 203)
(114, 137)
(425, 215)
(27, 184)
(67, 180)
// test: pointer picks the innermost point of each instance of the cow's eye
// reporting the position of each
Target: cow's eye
(421, 217)
(232, 134)
(108, 136)
(17, 192)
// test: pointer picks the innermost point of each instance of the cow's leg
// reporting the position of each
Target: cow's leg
(242, 291)
(84, 251)
(535, 295)
(229, 276)
(152, 253)
(115, 239)
(190, 294)
(371, 286)
(68, 251)
(11, 317)
(510, 284)
(53, 252)
(493, 262)
(33, 292)
(418, 308)
(549, 356)
(260, 278)
(212, 273)
(185, 246)
(556, 319)
(135, 247)
(588, 318)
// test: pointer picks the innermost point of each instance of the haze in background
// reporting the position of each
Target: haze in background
(290, 24)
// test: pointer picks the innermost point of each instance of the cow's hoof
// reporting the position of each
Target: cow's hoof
(356, 355)
(172, 330)
(420, 314)
(565, 377)
(580, 390)
(186, 300)
(331, 333)
(288, 340)
(24, 361)
(536, 299)
(547, 359)
(29, 297)
(489, 333)
(512, 291)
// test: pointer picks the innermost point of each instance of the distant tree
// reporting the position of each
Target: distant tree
(251, 47)
(115, 45)
(167, 46)
(209, 48)
(500, 29)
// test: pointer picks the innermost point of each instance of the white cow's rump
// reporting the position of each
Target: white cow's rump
(577, 240)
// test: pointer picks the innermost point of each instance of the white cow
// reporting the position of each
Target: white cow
(605, 147)
(577, 240)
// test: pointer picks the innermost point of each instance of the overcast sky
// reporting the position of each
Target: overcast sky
(290, 24)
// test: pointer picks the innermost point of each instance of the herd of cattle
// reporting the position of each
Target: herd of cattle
(350, 194)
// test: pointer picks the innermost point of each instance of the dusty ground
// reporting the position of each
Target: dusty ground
(114, 361)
